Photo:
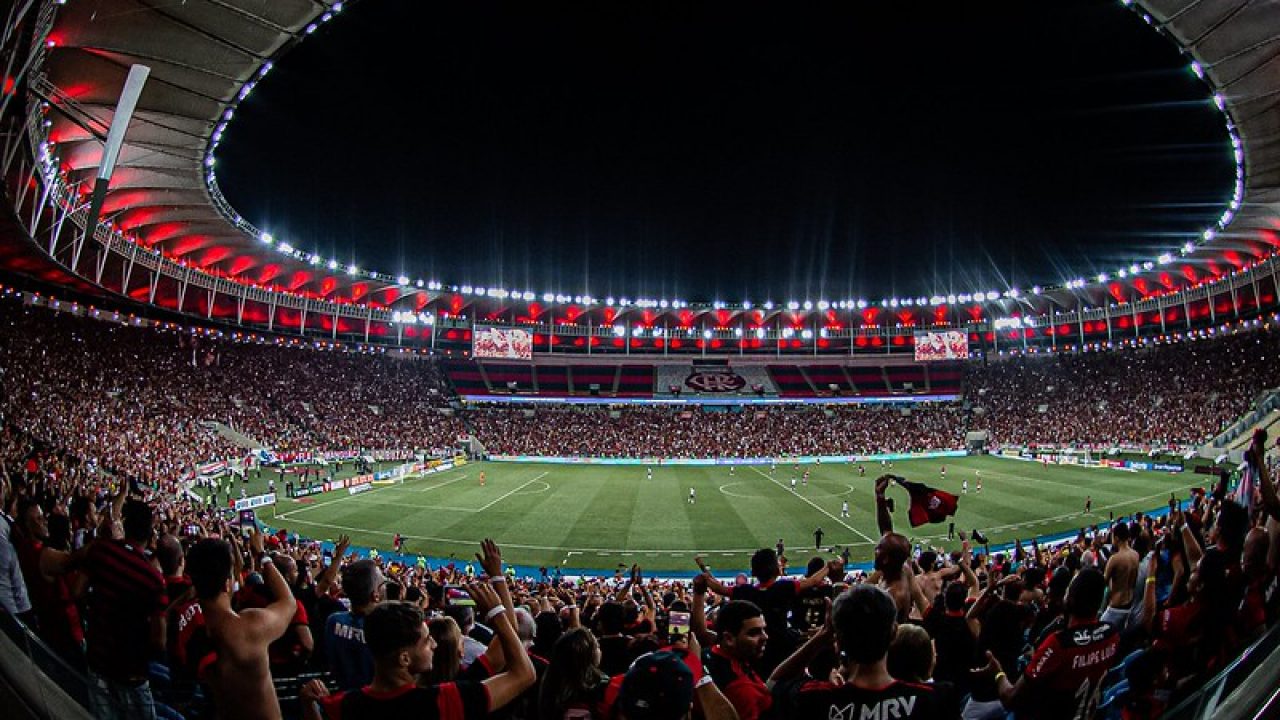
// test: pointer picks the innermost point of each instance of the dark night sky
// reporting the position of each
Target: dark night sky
(725, 151)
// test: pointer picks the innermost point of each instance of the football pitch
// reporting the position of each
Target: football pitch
(591, 516)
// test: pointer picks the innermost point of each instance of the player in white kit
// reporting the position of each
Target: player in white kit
(844, 509)
(693, 496)
(793, 483)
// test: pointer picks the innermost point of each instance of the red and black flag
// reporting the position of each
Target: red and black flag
(928, 505)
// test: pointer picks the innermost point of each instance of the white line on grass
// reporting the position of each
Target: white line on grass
(513, 492)
(313, 506)
(437, 487)
(815, 506)
(1066, 516)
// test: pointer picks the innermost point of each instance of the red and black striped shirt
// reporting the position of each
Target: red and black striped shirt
(125, 592)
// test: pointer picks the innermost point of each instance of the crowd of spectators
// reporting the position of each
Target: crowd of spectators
(139, 400)
(645, 431)
(1176, 395)
(173, 610)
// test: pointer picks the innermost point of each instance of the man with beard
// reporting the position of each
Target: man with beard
(741, 635)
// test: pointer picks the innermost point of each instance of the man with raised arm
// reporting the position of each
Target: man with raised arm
(891, 556)
(241, 676)
(396, 634)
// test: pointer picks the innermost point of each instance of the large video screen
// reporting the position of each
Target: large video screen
(502, 343)
(949, 345)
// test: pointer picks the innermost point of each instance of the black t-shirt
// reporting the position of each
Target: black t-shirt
(615, 654)
(807, 698)
(810, 607)
(775, 599)
(448, 701)
(956, 646)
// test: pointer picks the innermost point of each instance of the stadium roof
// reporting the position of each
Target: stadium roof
(205, 58)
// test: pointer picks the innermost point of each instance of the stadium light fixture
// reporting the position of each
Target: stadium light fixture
(1134, 269)
(465, 289)
(1210, 234)
(619, 330)
(823, 305)
(1122, 273)
(1103, 277)
(706, 334)
(862, 304)
(527, 296)
(402, 281)
(807, 334)
(266, 238)
(808, 305)
(1165, 258)
(793, 305)
(548, 297)
(608, 300)
(352, 270)
(768, 304)
(746, 304)
(419, 283)
(759, 333)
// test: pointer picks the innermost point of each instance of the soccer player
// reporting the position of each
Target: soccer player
(730, 471)
(648, 473)
(862, 470)
(806, 478)
(481, 478)
(693, 496)
(964, 486)
(1088, 504)
(793, 483)
(817, 538)
(979, 481)
(844, 508)
(944, 473)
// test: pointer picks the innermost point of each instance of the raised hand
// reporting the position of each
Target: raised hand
(490, 558)
(486, 599)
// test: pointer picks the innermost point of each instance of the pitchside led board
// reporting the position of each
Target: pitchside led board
(949, 345)
(501, 343)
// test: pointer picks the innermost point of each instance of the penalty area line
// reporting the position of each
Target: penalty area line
(815, 506)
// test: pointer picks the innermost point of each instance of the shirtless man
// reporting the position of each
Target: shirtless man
(1122, 578)
(892, 552)
(241, 676)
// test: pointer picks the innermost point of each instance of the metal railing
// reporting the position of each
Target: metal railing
(1243, 689)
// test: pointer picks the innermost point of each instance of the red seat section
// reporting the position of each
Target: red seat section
(790, 381)
(636, 381)
(466, 378)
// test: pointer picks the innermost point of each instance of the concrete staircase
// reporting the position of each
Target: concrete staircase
(233, 436)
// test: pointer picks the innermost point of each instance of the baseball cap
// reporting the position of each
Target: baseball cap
(658, 686)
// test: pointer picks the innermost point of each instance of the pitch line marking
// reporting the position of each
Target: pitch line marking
(816, 507)
(286, 515)
(613, 551)
(848, 491)
(513, 492)
(437, 487)
(1066, 516)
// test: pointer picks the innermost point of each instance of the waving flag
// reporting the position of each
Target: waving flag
(928, 505)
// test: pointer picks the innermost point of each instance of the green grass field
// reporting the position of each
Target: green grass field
(599, 516)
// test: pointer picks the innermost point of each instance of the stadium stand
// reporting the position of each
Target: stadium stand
(103, 421)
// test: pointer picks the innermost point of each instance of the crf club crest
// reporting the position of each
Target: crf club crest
(715, 381)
